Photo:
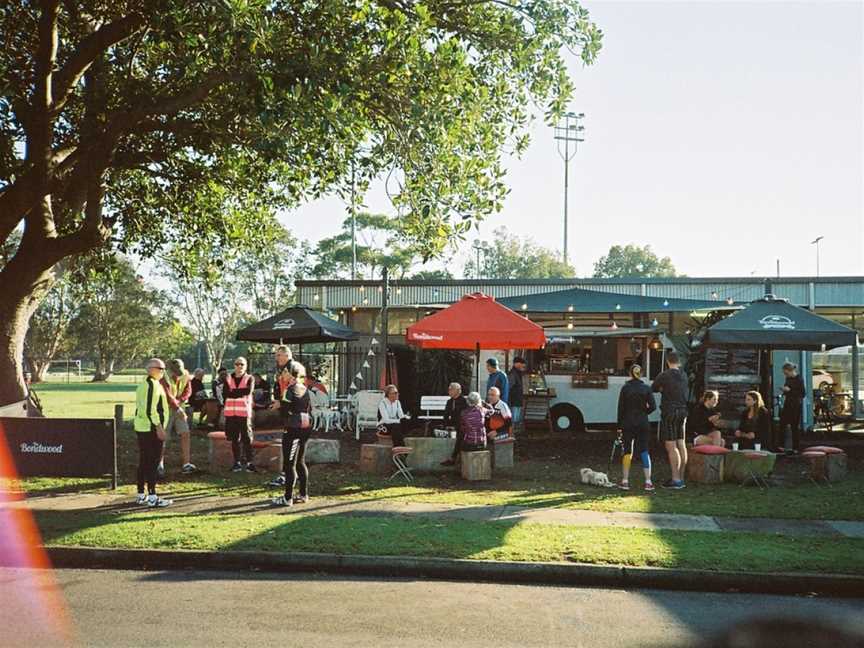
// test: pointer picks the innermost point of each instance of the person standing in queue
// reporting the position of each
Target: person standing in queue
(151, 415)
(635, 403)
(497, 378)
(296, 410)
(281, 378)
(517, 389)
(238, 415)
(790, 416)
(178, 389)
(452, 419)
(674, 387)
(391, 416)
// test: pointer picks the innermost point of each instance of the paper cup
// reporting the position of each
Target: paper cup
(757, 447)
(735, 447)
(452, 434)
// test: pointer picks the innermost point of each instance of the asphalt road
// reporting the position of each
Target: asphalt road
(178, 609)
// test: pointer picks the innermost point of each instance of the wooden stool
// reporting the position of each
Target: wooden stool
(268, 455)
(504, 453)
(836, 462)
(375, 458)
(705, 464)
(476, 465)
(383, 438)
(816, 465)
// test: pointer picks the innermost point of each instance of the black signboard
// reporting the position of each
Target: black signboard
(52, 447)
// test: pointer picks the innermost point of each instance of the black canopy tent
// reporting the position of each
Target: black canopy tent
(770, 324)
(297, 325)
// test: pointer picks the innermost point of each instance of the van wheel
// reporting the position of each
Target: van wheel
(567, 418)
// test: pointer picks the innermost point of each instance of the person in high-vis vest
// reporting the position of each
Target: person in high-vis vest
(151, 415)
(238, 415)
(178, 389)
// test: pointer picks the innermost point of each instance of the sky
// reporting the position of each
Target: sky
(725, 135)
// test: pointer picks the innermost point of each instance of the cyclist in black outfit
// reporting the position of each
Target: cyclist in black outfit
(790, 416)
(635, 403)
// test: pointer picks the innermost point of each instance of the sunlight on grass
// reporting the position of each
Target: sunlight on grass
(407, 536)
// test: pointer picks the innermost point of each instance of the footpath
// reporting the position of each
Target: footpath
(217, 505)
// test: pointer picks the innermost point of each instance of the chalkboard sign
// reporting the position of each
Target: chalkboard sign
(50, 447)
(732, 373)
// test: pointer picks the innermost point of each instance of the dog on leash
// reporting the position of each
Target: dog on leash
(595, 478)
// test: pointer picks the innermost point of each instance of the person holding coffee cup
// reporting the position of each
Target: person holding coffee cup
(296, 409)
(755, 424)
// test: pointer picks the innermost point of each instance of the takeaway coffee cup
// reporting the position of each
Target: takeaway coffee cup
(735, 446)
(757, 447)
(452, 434)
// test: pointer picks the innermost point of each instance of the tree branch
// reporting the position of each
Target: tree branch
(39, 140)
(89, 50)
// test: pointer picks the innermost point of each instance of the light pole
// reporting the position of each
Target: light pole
(567, 131)
(353, 223)
(816, 243)
(478, 247)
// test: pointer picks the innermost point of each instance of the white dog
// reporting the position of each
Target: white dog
(595, 478)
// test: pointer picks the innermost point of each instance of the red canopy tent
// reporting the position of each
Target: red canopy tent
(476, 322)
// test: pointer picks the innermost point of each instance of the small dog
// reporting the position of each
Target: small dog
(595, 478)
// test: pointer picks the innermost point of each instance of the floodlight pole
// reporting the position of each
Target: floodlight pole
(567, 131)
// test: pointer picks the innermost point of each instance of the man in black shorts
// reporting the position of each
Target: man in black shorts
(674, 387)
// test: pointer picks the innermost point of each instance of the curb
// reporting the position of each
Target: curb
(543, 573)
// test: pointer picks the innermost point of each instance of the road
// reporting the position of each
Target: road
(178, 609)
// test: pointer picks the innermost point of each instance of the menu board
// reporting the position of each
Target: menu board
(732, 372)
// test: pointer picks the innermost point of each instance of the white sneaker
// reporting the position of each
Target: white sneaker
(188, 469)
(141, 500)
(154, 501)
(281, 501)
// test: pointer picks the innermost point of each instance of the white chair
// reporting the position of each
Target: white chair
(431, 406)
(366, 410)
(321, 412)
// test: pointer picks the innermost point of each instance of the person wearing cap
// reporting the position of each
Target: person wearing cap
(237, 392)
(151, 415)
(517, 388)
(497, 378)
(178, 390)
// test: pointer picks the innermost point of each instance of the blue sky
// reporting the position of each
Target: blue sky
(724, 134)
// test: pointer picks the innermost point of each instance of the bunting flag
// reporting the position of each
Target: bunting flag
(366, 364)
(359, 376)
(353, 386)
(374, 341)
(371, 353)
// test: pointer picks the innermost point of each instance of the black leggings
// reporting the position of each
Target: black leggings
(396, 432)
(294, 462)
(789, 416)
(149, 452)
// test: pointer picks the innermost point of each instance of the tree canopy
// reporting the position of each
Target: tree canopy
(508, 256)
(119, 120)
(633, 261)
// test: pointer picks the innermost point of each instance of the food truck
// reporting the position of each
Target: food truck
(582, 372)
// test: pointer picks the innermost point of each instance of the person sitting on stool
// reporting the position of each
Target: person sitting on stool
(702, 422)
(391, 416)
(471, 425)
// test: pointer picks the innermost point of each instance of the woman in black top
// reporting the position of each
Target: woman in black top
(635, 403)
(755, 424)
(702, 422)
(296, 410)
(790, 415)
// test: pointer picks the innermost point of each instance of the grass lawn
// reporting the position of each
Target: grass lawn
(407, 536)
(545, 475)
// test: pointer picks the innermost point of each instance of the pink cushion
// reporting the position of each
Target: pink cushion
(825, 449)
(402, 450)
(710, 450)
(812, 454)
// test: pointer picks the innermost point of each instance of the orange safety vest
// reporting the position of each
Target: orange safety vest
(241, 407)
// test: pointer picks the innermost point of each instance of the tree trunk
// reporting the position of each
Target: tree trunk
(104, 370)
(21, 287)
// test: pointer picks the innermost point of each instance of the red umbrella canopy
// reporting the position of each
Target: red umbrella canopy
(476, 319)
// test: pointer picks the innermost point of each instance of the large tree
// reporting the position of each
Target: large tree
(118, 322)
(378, 241)
(633, 261)
(508, 256)
(113, 115)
